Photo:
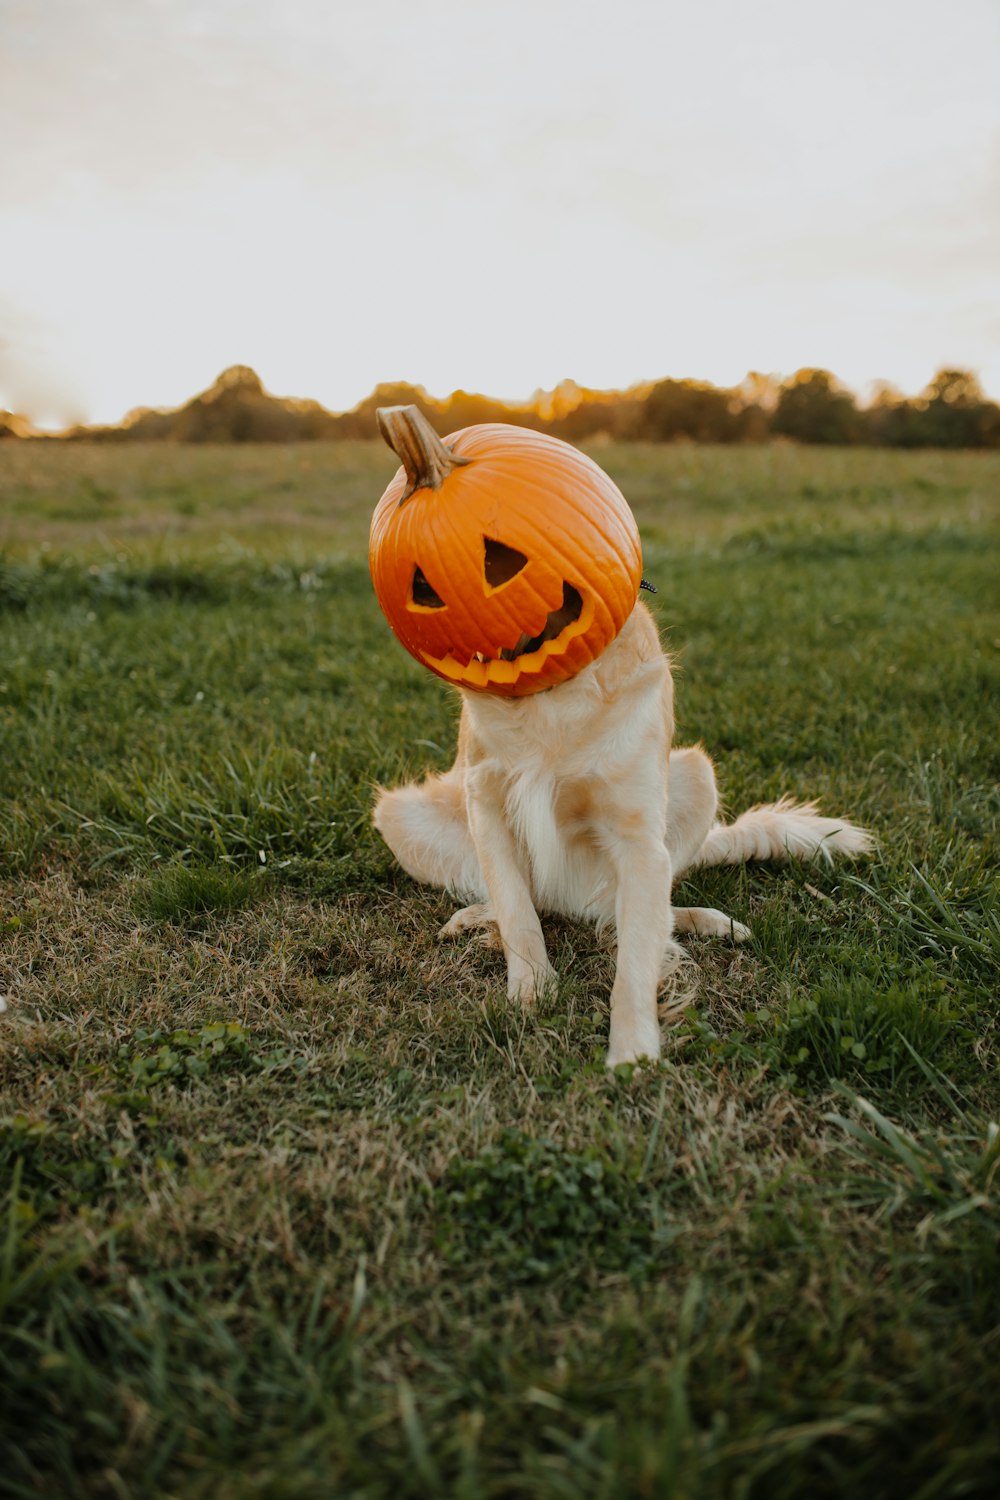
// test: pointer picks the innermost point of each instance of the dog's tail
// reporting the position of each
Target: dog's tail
(783, 830)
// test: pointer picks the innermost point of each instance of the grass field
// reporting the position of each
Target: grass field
(295, 1204)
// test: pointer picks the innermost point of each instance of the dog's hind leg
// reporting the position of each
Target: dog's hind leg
(426, 826)
(692, 803)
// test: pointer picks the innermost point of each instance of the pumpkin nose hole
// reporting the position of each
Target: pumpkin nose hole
(422, 594)
(502, 563)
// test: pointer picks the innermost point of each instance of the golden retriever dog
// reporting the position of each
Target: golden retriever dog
(572, 801)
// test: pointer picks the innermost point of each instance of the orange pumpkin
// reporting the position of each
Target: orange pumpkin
(504, 560)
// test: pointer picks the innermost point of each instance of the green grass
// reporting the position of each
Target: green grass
(296, 1204)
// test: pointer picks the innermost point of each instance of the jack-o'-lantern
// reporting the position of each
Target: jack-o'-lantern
(505, 560)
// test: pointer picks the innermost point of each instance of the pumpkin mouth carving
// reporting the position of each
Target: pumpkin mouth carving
(573, 617)
(556, 622)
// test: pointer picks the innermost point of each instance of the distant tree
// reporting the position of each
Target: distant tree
(690, 409)
(577, 413)
(756, 397)
(756, 389)
(559, 403)
(234, 409)
(12, 425)
(239, 378)
(464, 409)
(360, 421)
(953, 413)
(813, 408)
(890, 420)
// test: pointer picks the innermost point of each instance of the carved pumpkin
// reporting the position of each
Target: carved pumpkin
(504, 560)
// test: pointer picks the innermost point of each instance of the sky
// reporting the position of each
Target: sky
(491, 196)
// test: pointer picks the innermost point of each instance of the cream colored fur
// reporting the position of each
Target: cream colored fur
(573, 801)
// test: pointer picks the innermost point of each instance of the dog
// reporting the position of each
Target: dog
(573, 801)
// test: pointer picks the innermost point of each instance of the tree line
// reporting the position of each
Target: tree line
(812, 406)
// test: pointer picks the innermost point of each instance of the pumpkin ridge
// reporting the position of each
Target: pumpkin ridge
(610, 515)
(456, 600)
(630, 557)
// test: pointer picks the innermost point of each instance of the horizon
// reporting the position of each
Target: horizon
(708, 192)
(529, 403)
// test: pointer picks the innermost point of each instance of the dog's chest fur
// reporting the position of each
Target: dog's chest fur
(564, 753)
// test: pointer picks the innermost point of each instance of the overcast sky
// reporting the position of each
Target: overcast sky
(493, 196)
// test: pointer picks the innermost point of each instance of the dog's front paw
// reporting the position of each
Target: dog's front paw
(528, 985)
(633, 1043)
(469, 919)
(630, 1055)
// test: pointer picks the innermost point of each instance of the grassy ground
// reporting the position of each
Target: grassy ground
(297, 1205)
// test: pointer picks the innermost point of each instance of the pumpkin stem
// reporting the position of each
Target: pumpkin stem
(427, 460)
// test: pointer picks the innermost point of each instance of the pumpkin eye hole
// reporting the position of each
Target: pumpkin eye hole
(501, 563)
(422, 594)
